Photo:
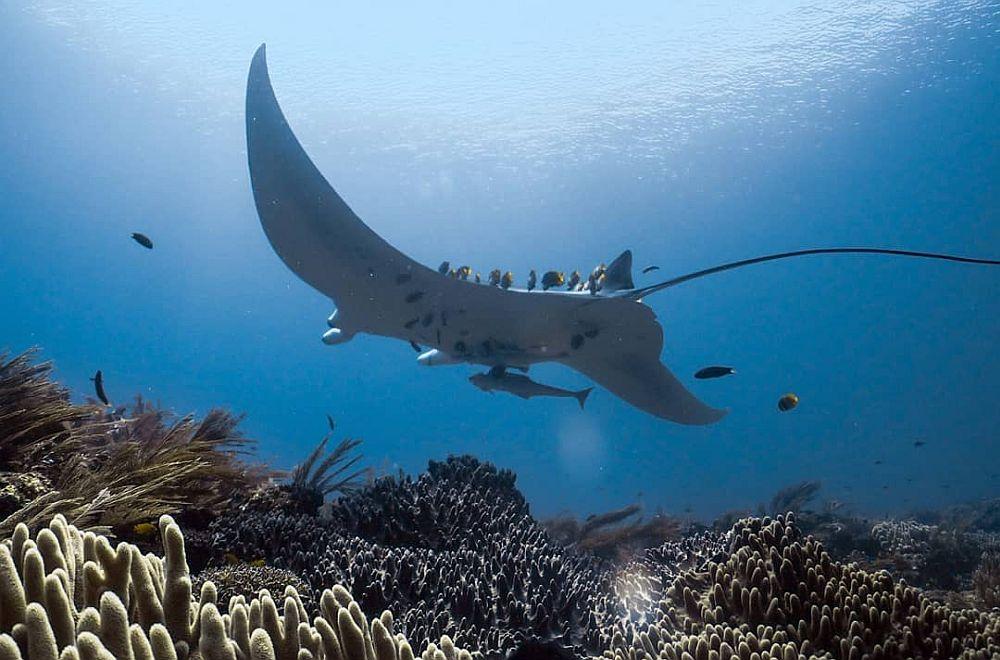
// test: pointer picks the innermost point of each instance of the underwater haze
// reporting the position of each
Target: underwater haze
(534, 136)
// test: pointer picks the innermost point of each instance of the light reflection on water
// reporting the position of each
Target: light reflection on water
(577, 83)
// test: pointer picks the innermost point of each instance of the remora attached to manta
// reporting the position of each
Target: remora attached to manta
(378, 290)
(612, 338)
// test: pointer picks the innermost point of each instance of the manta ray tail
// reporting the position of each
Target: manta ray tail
(636, 294)
(581, 396)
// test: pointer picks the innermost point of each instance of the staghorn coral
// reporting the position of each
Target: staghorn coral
(69, 595)
(779, 595)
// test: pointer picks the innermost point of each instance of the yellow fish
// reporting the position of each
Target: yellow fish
(232, 559)
(258, 563)
(144, 529)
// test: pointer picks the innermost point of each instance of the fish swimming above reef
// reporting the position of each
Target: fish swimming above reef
(142, 240)
(98, 380)
(714, 372)
(605, 333)
(497, 378)
(788, 402)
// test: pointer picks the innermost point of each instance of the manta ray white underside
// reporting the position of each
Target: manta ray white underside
(614, 340)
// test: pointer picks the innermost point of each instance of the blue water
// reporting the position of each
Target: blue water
(528, 136)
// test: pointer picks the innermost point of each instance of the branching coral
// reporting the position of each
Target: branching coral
(986, 580)
(69, 595)
(455, 552)
(779, 595)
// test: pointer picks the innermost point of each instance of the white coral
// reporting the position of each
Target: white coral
(70, 595)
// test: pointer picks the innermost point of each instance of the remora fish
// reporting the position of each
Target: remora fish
(522, 386)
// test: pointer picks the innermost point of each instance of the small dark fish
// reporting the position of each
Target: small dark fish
(919, 443)
(576, 342)
(574, 279)
(142, 240)
(99, 387)
(532, 281)
(649, 269)
(495, 276)
(788, 402)
(416, 347)
(444, 267)
(507, 280)
(878, 461)
(329, 420)
(714, 372)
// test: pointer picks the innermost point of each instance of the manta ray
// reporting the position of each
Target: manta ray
(612, 338)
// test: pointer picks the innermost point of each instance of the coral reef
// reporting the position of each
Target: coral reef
(614, 534)
(70, 595)
(931, 556)
(247, 579)
(111, 469)
(780, 595)
(986, 580)
(455, 551)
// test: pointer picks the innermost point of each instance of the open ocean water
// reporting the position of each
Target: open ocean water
(546, 136)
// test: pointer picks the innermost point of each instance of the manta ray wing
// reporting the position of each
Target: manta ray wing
(646, 384)
(625, 358)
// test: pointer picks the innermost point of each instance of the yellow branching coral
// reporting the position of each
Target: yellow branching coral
(70, 595)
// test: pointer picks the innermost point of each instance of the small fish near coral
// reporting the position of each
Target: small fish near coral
(98, 380)
(142, 240)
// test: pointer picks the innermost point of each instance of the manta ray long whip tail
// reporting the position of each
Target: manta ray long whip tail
(653, 288)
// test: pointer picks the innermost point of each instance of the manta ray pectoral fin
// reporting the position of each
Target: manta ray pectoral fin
(646, 384)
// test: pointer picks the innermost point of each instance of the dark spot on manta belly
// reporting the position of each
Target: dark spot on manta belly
(576, 342)
(409, 324)
(414, 297)
(439, 336)
(460, 347)
(404, 278)
(428, 319)
(590, 334)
